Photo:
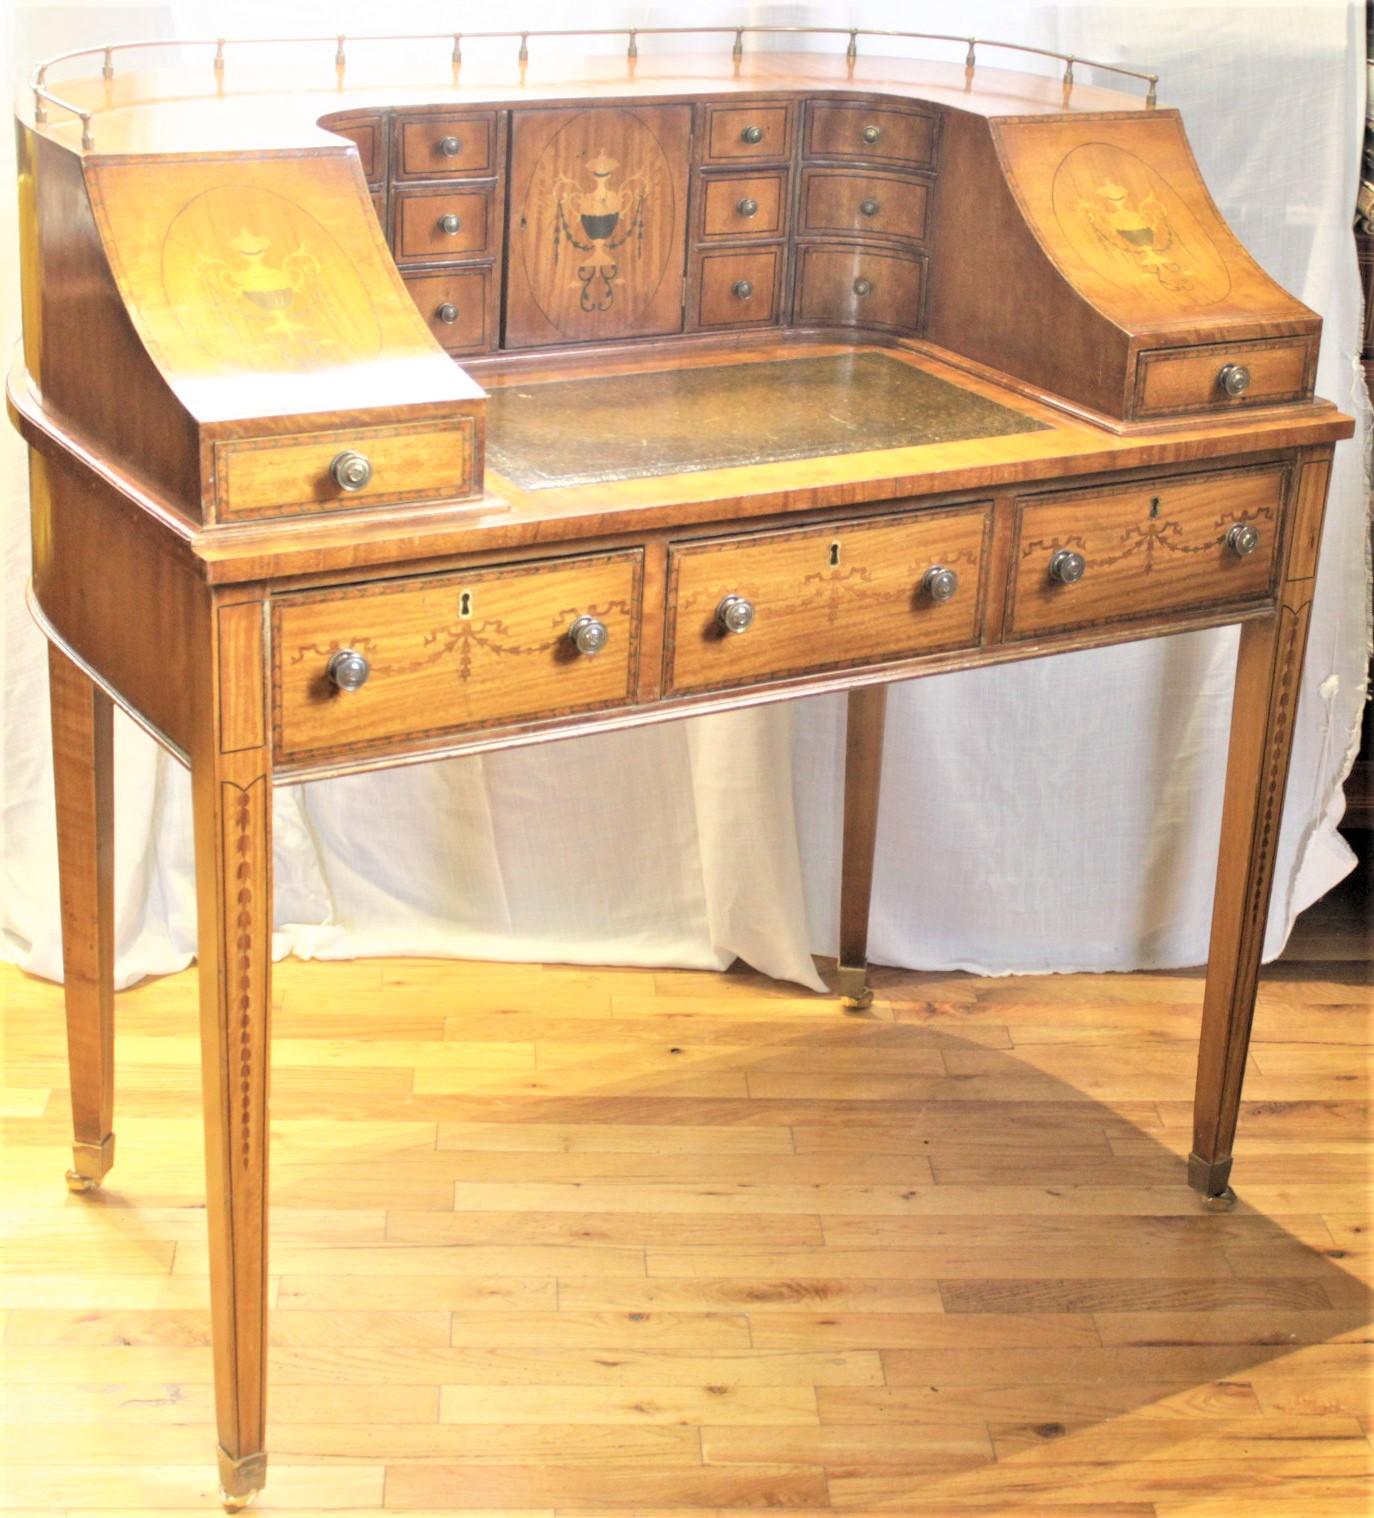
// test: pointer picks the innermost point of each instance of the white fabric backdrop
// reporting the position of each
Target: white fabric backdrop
(1052, 815)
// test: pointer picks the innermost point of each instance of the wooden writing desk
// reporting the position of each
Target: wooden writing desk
(801, 372)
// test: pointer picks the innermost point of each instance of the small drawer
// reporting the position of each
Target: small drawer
(876, 134)
(458, 306)
(439, 224)
(861, 287)
(843, 594)
(442, 146)
(453, 652)
(295, 472)
(743, 205)
(365, 133)
(1221, 375)
(738, 287)
(735, 132)
(867, 205)
(1150, 546)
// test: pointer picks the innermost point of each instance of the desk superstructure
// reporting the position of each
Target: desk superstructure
(797, 372)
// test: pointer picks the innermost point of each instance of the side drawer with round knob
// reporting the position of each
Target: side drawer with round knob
(349, 468)
(858, 286)
(908, 138)
(401, 663)
(741, 132)
(1116, 553)
(438, 224)
(445, 145)
(738, 287)
(459, 306)
(772, 605)
(1221, 376)
(743, 205)
(843, 202)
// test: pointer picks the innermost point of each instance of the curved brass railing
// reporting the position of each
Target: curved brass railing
(43, 97)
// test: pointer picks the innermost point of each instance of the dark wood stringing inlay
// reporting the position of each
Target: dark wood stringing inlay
(677, 421)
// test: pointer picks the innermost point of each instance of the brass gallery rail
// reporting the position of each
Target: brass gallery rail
(43, 97)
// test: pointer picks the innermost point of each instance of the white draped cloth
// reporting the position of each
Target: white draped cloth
(1054, 815)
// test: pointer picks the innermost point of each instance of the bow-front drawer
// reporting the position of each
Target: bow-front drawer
(1115, 554)
(396, 663)
(777, 604)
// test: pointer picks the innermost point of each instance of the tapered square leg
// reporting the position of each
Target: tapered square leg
(83, 773)
(865, 721)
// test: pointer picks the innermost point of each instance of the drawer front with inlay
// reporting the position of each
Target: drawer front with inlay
(859, 286)
(739, 287)
(440, 224)
(877, 134)
(1118, 553)
(867, 205)
(368, 466)
(741, 132)
(743, 205)
(777, 604)
(1222, 375)
(377, 665)
(432, 147)
(458, 306)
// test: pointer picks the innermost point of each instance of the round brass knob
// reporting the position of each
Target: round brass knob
(863, 286)
(447, 313)
(351, 470)
(940, 583)
(868, 207)
(871, 134)
(1243, 539)
(735, 614)
(751, 135)
(588, 636)
(747, 207)
(1234, 379)
(451, 224)
(1066, 566)
(348, 669)
(744, 288)
(450, 147)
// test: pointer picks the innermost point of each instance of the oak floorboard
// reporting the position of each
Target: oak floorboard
(557, 1241)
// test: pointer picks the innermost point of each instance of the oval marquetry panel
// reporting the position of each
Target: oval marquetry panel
(598, 213)
(256, 282)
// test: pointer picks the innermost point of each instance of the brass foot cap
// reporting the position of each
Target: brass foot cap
(1224, 1201)
(851, 983)
(235, 1502)
(78, 1182)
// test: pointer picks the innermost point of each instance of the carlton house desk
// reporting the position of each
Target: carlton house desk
(374, 421)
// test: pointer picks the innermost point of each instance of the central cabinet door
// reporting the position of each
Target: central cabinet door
(598, 234)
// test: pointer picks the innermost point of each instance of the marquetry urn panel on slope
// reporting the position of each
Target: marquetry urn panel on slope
(598, 223)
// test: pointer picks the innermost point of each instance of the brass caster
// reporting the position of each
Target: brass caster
(235, 1503)
(851, 985)
(79, 1183)
(1224, 1201)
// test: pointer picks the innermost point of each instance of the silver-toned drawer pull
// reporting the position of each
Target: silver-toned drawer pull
(451, 224)
(588, 636)
(447, 313)
(1066, 566)
(863, 286)
(735, 614)
(753, 135)
(869, 208)
(871, 134)
(348, 669)
(351, 470)
(748, 206)
(940, 583)
(1234, 379)
(744, 288)
(450, 147)
(1243, 539)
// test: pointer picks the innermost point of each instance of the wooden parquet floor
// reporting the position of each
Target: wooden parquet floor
(551, 1240)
